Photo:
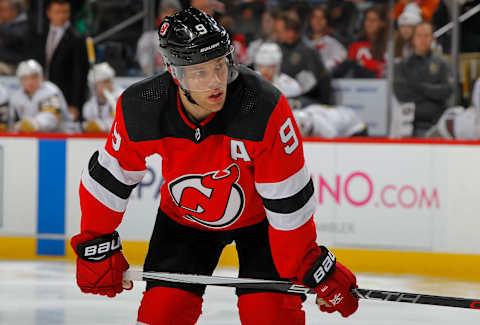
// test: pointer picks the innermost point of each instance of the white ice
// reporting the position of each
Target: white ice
(44, 293)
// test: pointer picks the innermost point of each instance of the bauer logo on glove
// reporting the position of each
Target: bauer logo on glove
(325, 267)
(322, 269)
(100, 248)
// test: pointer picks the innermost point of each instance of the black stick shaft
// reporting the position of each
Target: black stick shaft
(288, 287)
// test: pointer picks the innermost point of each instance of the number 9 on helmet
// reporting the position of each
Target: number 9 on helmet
(197, 50)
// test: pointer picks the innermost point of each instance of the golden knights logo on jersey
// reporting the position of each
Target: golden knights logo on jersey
(214, 199)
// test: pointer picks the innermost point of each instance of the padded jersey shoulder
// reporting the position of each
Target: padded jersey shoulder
(251, 101)
(145, 107)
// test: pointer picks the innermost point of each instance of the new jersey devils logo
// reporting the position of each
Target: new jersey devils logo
(163, 29)
(213, 200)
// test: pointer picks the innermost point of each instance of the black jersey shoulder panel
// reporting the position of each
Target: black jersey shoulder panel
(249, 105)
(150, 109)
(145, 107)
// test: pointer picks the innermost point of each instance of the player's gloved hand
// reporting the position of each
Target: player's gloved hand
(92, 126)
(26, 126)
(332, 282)
(100, 264)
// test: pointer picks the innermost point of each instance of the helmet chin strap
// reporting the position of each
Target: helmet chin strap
(185, 92)
(188, 96)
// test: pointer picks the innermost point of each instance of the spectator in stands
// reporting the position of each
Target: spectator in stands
(425, 79)
(148, 50)
(268, 62)
(14, 35)
(64, 56)
(239, 42)
(344, 16)
(249, 19)
(301, 61)
(99, 110)
(4, 110)
(267, 33)
(469, 31)
(410, 17)
(204, 5)
(319, 33)
(38, 105)
(369, 51)
(427, 8)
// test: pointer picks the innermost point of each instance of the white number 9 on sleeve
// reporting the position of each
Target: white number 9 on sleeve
(287, 133)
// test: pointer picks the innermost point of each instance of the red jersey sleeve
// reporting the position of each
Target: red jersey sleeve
(111, 175)
(284, 184)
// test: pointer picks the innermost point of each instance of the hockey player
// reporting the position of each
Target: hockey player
(38, 105)
(329, 122)
(268, 62)
(457, 123)
(234, 170)
(99, 110)
(313, 119)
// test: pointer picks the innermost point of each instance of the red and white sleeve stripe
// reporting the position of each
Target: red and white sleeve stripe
(108, 180)
(283, 182)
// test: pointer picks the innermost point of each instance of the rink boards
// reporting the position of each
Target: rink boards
(385, 206)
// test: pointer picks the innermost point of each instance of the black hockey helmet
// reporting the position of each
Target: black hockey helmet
(191, 37)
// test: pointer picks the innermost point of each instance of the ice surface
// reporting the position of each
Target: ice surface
(44, 293)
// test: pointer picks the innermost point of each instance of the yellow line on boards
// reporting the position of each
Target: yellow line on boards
(458, 266)
(18, 248)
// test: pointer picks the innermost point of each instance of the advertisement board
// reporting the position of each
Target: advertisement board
(2, 196)
(379, 196)
(377, 200)
(19, 179)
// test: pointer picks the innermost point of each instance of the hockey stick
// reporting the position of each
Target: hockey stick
(288, 287)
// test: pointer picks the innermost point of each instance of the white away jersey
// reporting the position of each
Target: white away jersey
(47, 106)
(287, 85)
(102, 114)
(328, 121)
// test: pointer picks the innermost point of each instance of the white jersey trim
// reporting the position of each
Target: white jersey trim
(292, 220)
(286, 188)
(103, 195)
(111, 163)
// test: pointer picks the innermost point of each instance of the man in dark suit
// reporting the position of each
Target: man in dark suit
(64, 56)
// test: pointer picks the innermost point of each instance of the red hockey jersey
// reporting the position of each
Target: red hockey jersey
(235, 168)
